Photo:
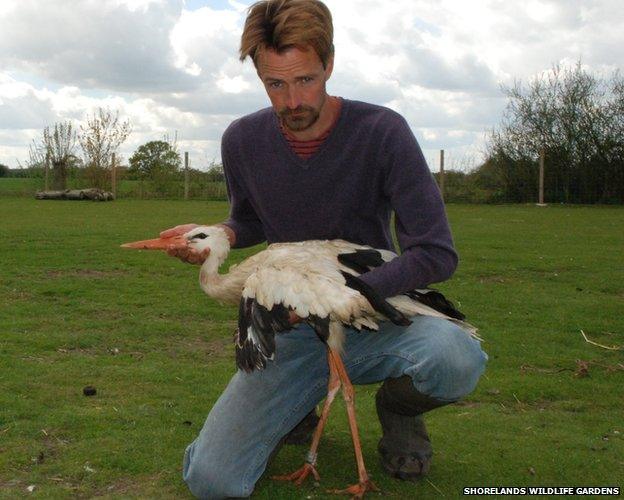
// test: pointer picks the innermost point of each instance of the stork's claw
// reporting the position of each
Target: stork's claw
(356, 490)
(299, 476)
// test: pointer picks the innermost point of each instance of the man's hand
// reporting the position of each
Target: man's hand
(187, 255)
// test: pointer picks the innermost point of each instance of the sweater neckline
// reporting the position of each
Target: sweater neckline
(294, 157)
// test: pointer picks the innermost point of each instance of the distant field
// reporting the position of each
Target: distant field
(20, 187)
(16, 187)
(77, 310)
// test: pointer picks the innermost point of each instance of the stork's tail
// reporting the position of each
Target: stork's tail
(336, 337)
(429, 302)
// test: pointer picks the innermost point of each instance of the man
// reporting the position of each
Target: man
(314, 166)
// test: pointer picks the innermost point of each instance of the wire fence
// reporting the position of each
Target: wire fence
(485, 184)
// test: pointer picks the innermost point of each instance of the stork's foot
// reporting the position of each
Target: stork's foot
(356, 490)
(299, 476)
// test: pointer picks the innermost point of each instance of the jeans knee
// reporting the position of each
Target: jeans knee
(208, 480)
(468, 368)
(453, 365)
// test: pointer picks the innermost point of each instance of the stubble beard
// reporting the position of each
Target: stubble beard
(300, 118)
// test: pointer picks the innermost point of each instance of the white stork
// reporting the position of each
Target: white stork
(318, 282)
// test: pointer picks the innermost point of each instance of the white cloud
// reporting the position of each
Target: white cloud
(134, 5)
(167, 67)
(93, 44)
(234, 85)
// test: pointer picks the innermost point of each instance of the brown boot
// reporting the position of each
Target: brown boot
(405, 449)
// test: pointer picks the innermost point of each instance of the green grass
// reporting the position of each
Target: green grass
(76, 310)
(126, 188)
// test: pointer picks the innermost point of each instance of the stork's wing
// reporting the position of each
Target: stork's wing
(319, 282)
(255, 336)
(427, 302)
(309, 279)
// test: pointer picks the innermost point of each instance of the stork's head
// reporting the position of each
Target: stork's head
(210, 240)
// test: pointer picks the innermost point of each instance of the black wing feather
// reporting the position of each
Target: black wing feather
(247, 357)
(378, 303)
(255, 336)
(437, 301)
(361, 261)
(320, 326)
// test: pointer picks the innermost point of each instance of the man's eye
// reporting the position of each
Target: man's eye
(275, 85)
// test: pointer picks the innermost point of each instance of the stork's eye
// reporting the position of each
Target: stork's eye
(200, 236)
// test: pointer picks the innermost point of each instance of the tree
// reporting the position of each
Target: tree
(99, 139)
(154, 158)
(4, 170)
(215, 173)
(577, 119)
(56, 147)
(157, 162)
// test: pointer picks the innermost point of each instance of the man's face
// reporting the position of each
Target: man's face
(295, 82)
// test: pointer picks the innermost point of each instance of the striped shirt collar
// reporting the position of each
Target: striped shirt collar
(306, 149)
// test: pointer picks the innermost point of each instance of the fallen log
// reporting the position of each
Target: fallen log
(95, 194)
(50, 195)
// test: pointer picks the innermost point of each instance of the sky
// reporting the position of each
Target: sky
(171, 67)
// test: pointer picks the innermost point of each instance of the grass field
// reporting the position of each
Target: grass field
(16, 187)
(76, 310)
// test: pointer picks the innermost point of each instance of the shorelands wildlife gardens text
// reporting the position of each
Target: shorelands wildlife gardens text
(543, 490)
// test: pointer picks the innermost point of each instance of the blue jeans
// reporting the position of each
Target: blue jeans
(257, 409)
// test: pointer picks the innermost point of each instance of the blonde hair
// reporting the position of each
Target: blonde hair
(281, 24)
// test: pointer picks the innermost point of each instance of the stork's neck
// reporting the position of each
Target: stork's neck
(210, 269)
(209, 277)
(223, 287)
(219, 286)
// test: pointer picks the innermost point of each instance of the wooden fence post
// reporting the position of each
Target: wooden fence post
(114, 176)
(47, 172)
(186, 175)
(442, 173)
(540, 202)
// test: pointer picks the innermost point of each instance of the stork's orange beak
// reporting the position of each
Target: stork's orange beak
(176, 242)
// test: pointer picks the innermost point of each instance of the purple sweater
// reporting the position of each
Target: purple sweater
(369, 166)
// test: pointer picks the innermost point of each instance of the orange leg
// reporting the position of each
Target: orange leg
(338, 378)
(310, 465)
(364, 484)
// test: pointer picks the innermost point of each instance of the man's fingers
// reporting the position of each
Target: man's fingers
(187, 255)
(177, 252)
(180, 253)
(184, 254)
(198, 257)
(191, 257)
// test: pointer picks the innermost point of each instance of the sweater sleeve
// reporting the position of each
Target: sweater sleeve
(243, 219)
(423, 233)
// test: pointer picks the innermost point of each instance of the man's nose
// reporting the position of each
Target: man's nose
(294, 98)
